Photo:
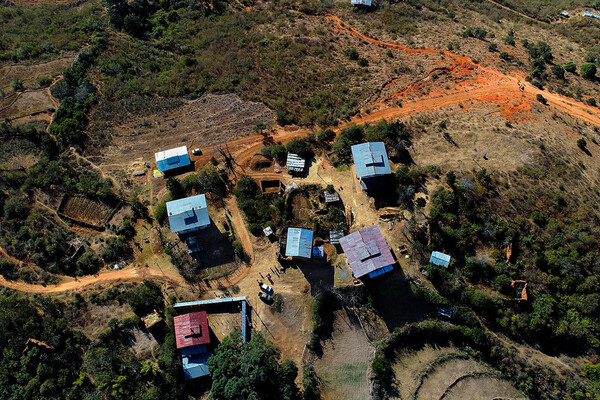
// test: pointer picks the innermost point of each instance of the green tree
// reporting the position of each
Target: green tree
(588, 70)
(541, 98)
(558, 71)
(144, 298)
(160, 212)
(251, 371)
(259, 128)
(351, 53)
(581, 143)
(175, 188)
(300, 147)
(16, 84)
(570, 67)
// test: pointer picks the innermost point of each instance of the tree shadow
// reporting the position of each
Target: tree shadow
(216, 248)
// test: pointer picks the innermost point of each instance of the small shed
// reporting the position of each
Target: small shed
(151, 320)
(331, 197)
(172, 159)
(299, 243)
(361, 3)
(564, 13)
(335, 236)
(441, 259)
(295, 163)
(268, 231)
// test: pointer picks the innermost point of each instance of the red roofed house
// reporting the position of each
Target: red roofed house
(192, 337)
(367, 252)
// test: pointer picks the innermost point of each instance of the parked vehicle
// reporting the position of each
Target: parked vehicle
(265, 297)
(265, 288)
(197, 152)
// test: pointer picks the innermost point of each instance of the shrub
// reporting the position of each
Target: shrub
(493, 47)
(591, 102)
(558, 71)
(160, 212)
(588, 70)
(351, 53)
(362, 62)
(542, 51)
(541, 99)
(570, 67)
(144, 298)
(17, 84)
(505, 56)
(326, 135)
(43, 81)
(300, 147)
(581, 143)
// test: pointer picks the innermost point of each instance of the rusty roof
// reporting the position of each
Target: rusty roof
(366, 251)
(191, 329)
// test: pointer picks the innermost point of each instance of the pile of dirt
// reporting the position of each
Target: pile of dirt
(259, 163)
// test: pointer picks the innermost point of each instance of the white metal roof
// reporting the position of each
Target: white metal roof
(178, 151)
(295, 161)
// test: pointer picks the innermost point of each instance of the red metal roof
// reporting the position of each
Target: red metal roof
(366, 251)
(191, 329)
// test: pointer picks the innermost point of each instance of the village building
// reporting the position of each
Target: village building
(441, 259)
(299, 243)
(361, 3)
(335, 236)
(331, 197)
(295, 163)
(172, 159)
(192, 338)
(188, 215)
(371, 164)
(367, 252)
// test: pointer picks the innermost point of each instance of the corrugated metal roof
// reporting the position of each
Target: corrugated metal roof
(172, 158)
(294, 162)
(366, 251)
(331, 197)
(370, 159)
(195, 366)
(440, 259)
(361, 2)
(188, 213)
(335, 236)
(211, 301)
(380, 271)
(191, 329)
(299, 243)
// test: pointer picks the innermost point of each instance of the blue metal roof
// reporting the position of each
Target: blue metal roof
(193, 350)
(361, 2)
(211, 301)
(172, 159)
(299, 243)
(370, 159)
(195, 366)
(441, 259)
(188, 214)
(380, 271)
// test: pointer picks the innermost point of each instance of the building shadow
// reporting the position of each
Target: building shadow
(395, 302)
(319, 274)
(216, 248)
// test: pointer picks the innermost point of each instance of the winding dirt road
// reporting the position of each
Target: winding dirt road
(488, 85)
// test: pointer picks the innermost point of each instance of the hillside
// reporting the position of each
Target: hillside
(487, 110)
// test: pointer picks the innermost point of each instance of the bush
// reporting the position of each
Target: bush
(351, 53)
(558, 71)
(144, 298)
(581, 143)
(591, 102)
(541, 99)
(300, 147)
(17, 84)
(570, 67)
(43, 81)
(277, 151)
(493, 47)
(588, 70)
(326, 135)
(160, 212)
(362, 62)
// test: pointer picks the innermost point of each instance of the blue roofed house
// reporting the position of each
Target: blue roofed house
(188, 215)
(441, 259)
(192, 338)
(371, 163)
(299, 243)
(172, 159)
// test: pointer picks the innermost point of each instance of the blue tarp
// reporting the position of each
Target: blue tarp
(299, 243)
(318, 252)
(441, 259)
(370, 160)
(188, 214)
(380, 271)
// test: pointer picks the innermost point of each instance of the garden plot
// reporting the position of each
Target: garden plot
(82, 209)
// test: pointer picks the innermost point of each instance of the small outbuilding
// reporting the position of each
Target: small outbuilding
(318, 252)
(188, 215)
(441, 259)
(367, 252)
(299, 243)
(193, 337)
(295, 163)
(331, 197)
(268, 231)
(361, 3)
(172, 159)
(371, 164)
(335, 236)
